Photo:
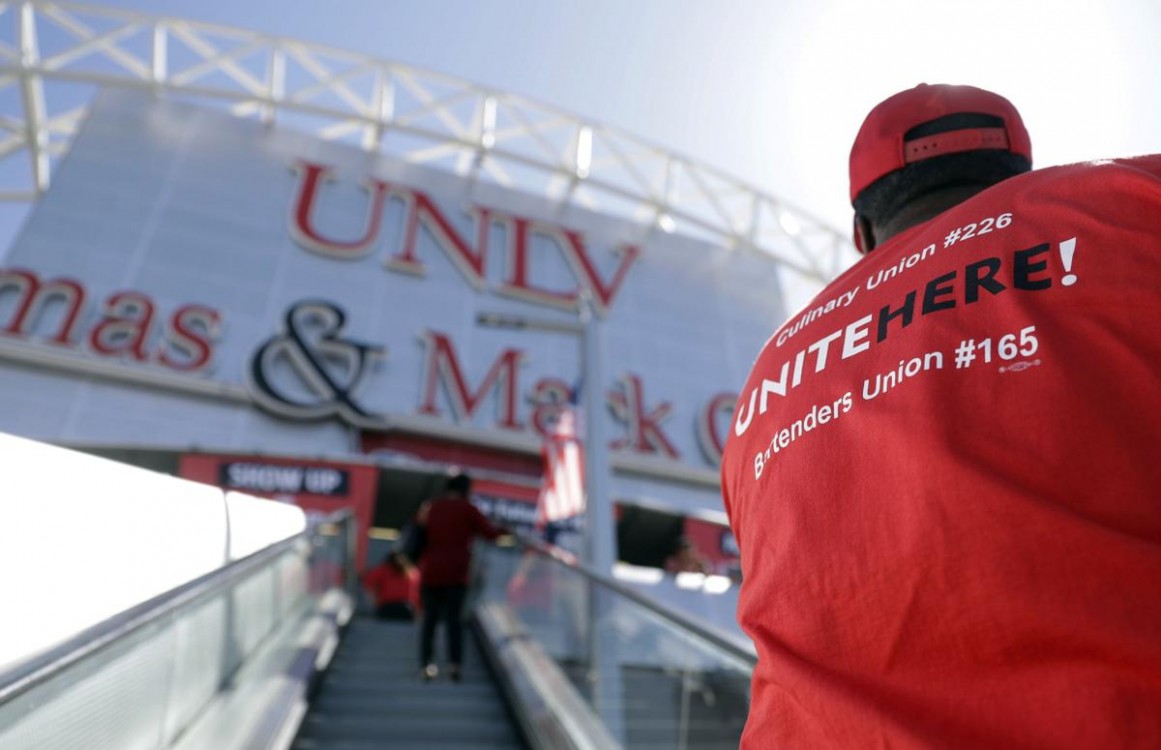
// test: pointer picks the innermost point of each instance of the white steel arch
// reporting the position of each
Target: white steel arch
(55, 55)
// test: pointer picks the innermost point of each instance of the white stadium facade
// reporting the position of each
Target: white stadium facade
(277, 267)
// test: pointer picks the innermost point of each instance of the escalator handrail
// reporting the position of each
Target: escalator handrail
(91, 641)
(681, 620)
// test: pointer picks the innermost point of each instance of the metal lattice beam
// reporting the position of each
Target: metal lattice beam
(405, 112)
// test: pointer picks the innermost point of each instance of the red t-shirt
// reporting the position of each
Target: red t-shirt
(452, 524)
(945, 480)
(390, 584)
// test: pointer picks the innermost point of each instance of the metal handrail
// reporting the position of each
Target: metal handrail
(550, 710)
(675, 617)
(96, 638)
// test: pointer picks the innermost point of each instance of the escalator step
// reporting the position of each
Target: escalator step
(414, 702)
(399, 744)
(444, 726)
(372, 697)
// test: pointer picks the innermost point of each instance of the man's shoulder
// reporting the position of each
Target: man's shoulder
(1146, 162)
(1146, 167)
(1149, 162)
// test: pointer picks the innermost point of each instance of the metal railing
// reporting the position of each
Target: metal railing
(654, 675)
(142, 678)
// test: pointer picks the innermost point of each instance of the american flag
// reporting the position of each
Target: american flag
(562, 493)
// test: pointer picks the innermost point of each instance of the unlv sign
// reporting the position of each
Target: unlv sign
(391, 219)
(468, 254)
(221, 259)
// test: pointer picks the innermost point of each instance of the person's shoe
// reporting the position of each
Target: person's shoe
(430, 672)
(454, 672)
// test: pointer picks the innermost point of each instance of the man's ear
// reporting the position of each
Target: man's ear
(864, 236)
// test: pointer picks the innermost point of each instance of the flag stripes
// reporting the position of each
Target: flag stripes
(562, 492)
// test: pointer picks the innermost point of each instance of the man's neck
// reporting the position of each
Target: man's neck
(925, 208)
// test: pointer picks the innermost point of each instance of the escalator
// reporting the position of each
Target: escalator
(562, 657)
(372, 697)
(559, 657)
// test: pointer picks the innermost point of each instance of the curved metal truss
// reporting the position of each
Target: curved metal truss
(55, 55)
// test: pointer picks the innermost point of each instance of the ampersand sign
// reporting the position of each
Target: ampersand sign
(328, 369)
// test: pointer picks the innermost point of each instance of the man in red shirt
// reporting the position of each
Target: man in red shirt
(450, 525)
(944, 473)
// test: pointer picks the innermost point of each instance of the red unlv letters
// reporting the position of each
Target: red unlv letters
(469, 257)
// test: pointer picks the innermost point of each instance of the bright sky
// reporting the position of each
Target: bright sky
(772, 91)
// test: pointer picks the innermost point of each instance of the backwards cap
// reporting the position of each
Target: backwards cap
(880, 147)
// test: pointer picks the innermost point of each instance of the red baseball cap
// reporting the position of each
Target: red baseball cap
(879, 147)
